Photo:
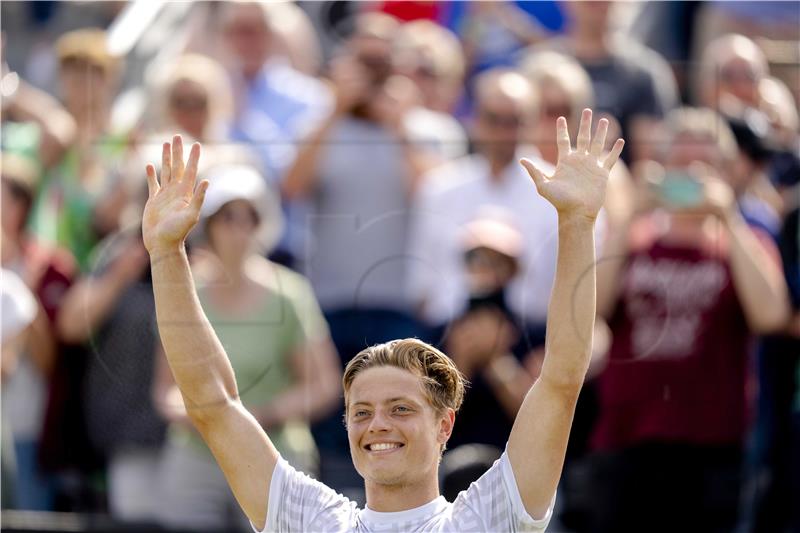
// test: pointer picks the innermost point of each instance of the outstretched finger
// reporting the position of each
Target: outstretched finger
(584, 131)
(599, 140)
(562, 137)
(152, 181)
(538, 177)
(199, 196)
(191, 167)
(177, 158)
(166, 164)
(612, 157)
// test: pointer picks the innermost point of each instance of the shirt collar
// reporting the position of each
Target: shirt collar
(417, 514)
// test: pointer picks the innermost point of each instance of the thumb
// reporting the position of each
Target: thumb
(538, 177)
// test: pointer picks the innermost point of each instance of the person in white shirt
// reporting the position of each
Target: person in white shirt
(454, 194)
(400, 397)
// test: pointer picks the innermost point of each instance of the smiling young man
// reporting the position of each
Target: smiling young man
(400, 397)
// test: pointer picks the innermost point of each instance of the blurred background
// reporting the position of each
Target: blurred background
(365, 187)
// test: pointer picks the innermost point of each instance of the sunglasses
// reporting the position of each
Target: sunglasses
(246, 218)
(501, 120)
(188, 102)
(557, 110)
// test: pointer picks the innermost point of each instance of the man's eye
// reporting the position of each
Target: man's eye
(402, 408)
(358, 414)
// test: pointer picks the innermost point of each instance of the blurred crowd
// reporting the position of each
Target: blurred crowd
(365, 186)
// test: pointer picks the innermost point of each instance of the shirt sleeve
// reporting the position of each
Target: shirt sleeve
(493, 503)
(299, 503)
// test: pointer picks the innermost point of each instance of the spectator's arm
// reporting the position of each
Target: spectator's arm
(88, 302)
(510, 382)
(56, 124)
(349, 85)
(41, 342)
(757, 278)
(316, 392)
(302, 177)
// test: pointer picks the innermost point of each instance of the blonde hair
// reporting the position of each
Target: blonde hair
(205, 72)
(435, 43)
(719, 53)
(443, 383)
(546, 67)
(702, 122)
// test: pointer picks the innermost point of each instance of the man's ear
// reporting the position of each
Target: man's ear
(446, 423)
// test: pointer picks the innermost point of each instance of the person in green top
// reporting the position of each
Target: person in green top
(80, 196)
(270, 324)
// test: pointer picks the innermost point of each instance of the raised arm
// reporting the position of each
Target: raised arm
(197, 360)
(539, 437)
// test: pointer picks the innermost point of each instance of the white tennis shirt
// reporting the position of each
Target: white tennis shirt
(298, 503)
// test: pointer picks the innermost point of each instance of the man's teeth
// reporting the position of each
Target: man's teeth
(383, 446)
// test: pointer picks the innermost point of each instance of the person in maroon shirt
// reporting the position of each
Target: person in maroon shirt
(685, 285)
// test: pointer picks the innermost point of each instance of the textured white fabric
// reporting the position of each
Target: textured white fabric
(491, 504)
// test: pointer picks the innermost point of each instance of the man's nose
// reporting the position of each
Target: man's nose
(380, 422)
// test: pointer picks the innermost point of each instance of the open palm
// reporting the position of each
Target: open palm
(173, 203)
(578, 185)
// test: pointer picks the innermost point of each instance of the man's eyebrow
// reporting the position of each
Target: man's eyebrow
(390, 400)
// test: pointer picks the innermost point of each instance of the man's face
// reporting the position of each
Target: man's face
(395, 435)
(247, 36)
(500, 125)
(740, 77)
(589, 14)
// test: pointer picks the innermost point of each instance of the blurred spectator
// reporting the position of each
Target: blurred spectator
(730, 71)
(47, 273)
(359, 170)
(685, 287)
(564, 90)
(781, 110)
(275, 336)
(68, 210)
(275, 105)
(777, 433)
(787, 457)
(455, 193)
(775, 26)
(431, 56)
(493, 32)
(193, 97)
(632, 83)
(295, 36)
(758, 200)
(34, 123)
(18, 311)
(481, 340)
(112, 311)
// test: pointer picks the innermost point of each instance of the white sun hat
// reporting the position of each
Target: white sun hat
(243, 182)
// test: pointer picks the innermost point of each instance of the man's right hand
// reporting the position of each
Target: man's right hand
(173, 203)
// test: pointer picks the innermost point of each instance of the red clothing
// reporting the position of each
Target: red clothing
(678, 361)
(51, 271)
(407, 10)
